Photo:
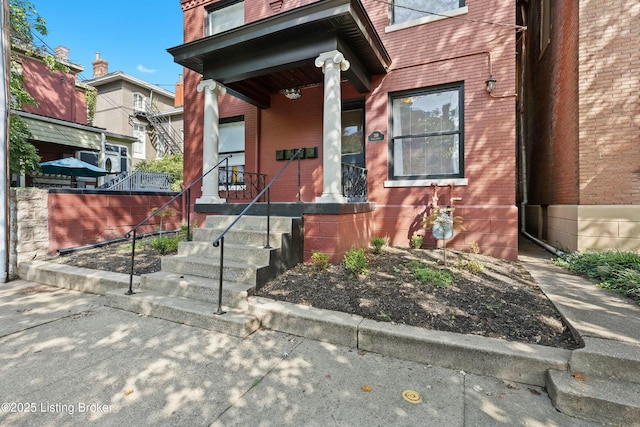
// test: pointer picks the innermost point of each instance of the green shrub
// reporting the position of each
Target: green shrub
(320, 260)
(616, 270)
(377, 243)
(416, 241)
(428, 276)
(165, 244)
(356, 261)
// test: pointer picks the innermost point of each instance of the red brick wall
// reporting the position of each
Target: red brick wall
(551, 107)
(77, 219)
(56, 92)
(336, 234)
(609, 85)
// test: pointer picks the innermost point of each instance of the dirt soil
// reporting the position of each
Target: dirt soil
(500, 301)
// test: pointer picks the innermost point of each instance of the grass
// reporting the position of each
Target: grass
(615, 270)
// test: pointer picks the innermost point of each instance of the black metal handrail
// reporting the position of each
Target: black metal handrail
(187, 190)
(219, 241)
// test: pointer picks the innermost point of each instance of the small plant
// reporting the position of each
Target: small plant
(416, 241)
(165, 244)
(428, 276)
(320, 260)
(377, 243)
(474, 267)
(384, 316)
(165, 213)
(356, 261)
(474, 247)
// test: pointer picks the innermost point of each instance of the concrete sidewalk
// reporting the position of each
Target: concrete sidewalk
(69, 360)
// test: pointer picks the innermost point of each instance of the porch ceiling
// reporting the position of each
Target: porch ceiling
(258, 59)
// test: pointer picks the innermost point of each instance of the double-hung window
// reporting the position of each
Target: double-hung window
(225, 16)
(139, 102)
(412, 10)
(427, 134)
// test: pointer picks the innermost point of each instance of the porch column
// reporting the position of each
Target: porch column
(332, 63)
(210, 138)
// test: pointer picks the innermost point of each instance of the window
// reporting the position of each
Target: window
(410, 10)
(139, 102)
(427, 134)
(229, 15)
(232, 142)
(139, 132)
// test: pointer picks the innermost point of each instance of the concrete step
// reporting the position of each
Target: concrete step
(75, 278)
(239, 237)
(252, 254)
(191, 312)
(199, 288)
(607, 359)
(250, 222)
(595, 399)
(233, 271)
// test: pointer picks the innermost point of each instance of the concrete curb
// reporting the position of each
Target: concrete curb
(519, 362)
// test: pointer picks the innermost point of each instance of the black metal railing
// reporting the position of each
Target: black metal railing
(354, 183)
(240, 185)
(219, 241)
(187, 193)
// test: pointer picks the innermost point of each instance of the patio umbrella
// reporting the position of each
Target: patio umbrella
(71, 166)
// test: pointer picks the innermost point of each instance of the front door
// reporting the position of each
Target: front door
(353, 133)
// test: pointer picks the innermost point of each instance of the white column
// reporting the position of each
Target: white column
(332, 63)
(210, 138)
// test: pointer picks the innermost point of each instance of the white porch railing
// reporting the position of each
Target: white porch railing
(140, 181)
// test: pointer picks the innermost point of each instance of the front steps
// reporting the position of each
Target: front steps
(602, 385)
(187, 287)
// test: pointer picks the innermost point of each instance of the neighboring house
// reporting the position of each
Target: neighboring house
(581, 128)
(131, 106)
(401, 92)
(59, 122)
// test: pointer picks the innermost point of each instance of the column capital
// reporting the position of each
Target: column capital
(213, 86)
(333, 57)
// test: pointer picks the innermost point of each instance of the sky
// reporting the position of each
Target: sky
(132, 36)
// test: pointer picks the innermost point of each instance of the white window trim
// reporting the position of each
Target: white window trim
(426, 182)
(426, 19)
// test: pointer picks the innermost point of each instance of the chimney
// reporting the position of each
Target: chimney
(179, 99)
(100, 66)
(61, 53)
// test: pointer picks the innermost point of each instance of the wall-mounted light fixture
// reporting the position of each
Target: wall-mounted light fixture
(491, 84)
(293, 93)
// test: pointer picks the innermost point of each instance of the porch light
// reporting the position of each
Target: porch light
(491, 84)
(293, 93)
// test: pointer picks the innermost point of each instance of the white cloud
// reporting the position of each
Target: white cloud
(144, 69)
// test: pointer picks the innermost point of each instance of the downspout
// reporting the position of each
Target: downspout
(523, 151)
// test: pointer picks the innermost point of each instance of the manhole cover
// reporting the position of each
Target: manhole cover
(411, 396)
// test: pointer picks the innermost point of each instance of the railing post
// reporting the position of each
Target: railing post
(226, 180)
(133, 254)
(220, 311)
(268, 246)
(188, 214)
(299, 190)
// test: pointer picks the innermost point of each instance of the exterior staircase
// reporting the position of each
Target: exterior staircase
(602, 384)
(187, 287)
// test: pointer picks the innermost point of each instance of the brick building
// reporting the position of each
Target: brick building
(400, 92)
(581, 128)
